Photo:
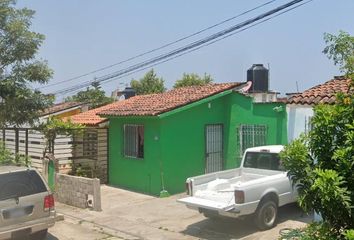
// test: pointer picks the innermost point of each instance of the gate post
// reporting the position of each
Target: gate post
(49, 169)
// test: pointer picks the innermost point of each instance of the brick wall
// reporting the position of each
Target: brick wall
(78, 191)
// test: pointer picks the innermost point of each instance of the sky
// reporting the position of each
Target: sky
(85, 35)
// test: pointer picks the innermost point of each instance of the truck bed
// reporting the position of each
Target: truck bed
(215, 191)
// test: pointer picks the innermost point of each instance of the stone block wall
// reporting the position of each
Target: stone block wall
(78, 191)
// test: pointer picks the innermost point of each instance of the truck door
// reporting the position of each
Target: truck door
(213, 148)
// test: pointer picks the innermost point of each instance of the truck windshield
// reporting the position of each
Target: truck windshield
(19, 184)
(263, 160)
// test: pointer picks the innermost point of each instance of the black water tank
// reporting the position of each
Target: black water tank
(128, 92)
(258, 75)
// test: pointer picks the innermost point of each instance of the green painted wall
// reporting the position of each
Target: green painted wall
(140, 175)
(183, 141)
(243, 111)
(174, 144)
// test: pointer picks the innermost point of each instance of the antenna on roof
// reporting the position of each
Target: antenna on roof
(297, 87)
(268, 65)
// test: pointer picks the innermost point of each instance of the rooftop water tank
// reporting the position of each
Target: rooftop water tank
(128, 92)
(259, 76)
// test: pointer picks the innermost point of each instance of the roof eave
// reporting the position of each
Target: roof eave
(196, 103)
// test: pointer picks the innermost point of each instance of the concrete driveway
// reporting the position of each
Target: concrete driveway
(130, 215)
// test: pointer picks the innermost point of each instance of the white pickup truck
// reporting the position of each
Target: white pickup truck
(258, 187)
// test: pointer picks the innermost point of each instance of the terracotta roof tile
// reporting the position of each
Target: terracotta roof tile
(90, 117)
(323, 93)
(155, 104)
(60, 107)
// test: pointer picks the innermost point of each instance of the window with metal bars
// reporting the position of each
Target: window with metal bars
(134, 141)
(251, 135)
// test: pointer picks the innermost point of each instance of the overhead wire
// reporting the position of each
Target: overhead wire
(210, 43)
(186, 49)
(161, 47)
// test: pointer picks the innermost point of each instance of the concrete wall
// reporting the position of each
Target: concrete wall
(78, 191)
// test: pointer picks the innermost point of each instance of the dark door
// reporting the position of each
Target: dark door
(213, 148)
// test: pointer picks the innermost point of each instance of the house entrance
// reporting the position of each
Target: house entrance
(213, 148)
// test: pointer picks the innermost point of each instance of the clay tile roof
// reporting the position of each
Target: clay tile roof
(155, 104)
(323, 93)
(60, 107)
(90, 117)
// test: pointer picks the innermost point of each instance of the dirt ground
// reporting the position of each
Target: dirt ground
(130, 215)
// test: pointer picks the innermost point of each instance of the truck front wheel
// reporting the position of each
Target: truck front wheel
(266, 215)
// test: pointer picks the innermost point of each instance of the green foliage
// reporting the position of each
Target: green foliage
(55, 126)
(326, 185)
(94, 96)
(19, 67)
(7, 158)
(149, 84)
(314, 231)
(349, 234)
(85, 170)
(193, 79)
(341, 50)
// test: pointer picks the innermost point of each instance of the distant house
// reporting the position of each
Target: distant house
(64, 109)
(156, 141)
(300, 105)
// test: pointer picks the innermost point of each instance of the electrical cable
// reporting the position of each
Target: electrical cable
(194, 45)
(192, 50)
(161, 47)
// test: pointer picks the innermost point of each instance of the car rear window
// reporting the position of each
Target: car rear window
(19, 184)
(263, 160)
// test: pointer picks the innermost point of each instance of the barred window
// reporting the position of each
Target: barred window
(251, 135)
(134, 141)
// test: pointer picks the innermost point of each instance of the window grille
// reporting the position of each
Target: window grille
(251, 135)
(308, 124)
(134, 141)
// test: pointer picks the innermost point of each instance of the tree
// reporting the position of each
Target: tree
(150, 83)
(54, 127)
(322, 163)
(19, 68)
(8, 158)
(94, 96)
(341, 50)
(193, 79)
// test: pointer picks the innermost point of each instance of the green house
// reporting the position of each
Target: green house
(157, 141)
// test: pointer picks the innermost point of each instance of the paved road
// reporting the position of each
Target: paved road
(71, 229)
(132, 216)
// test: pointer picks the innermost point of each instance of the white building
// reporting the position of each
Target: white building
(300, 105)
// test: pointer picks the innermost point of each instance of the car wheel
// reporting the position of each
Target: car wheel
(266, 215)
(40, 235)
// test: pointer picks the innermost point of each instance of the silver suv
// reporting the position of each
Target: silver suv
(26, 204)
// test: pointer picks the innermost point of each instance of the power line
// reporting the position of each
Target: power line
(210, 43)
(188, 48)
(161, 47)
